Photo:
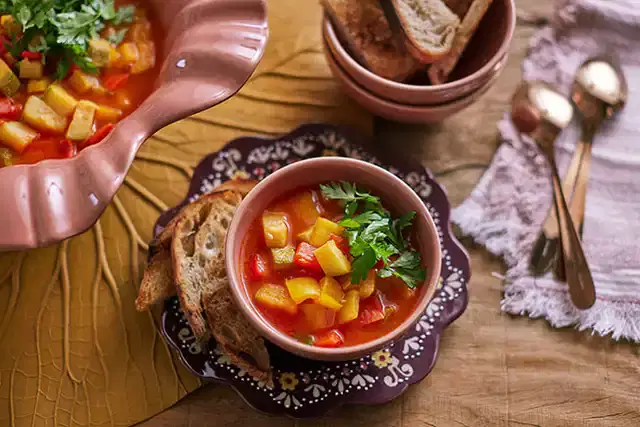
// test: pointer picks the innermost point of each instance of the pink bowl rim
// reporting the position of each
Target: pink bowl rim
(288, 343)
(504, 49)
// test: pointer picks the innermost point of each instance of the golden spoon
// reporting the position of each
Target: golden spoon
(554, 112)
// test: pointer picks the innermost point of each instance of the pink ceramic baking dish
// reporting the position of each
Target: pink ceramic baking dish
(489, 46)
(397, 195)
(211, 47)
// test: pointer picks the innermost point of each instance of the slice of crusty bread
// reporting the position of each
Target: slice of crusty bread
(157, 281)
(197, 252)
(440, 71)
(428, 27)
(362, 25)
(235, 335)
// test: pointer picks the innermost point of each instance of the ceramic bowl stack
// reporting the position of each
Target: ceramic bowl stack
(415, 102)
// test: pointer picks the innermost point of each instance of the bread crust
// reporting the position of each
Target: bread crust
(439, 72)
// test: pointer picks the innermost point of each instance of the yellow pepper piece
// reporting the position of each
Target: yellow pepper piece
(330, 293)
(317, 316)
(38, 85)
(350, 308)
(305, 236)
(276, 297)
(276, 230)
(322, 231)
(303, 288)
(332, 260)
(83, 83)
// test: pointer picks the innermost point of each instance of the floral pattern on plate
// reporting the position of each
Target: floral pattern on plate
(307, 388)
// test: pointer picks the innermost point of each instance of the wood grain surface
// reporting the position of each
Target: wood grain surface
(493, 369)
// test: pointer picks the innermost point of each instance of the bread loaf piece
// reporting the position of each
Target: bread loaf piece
(439, 72)
(362, 25)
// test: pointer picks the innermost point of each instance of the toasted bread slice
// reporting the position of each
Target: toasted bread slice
(361, 24)
(157, 282)
(439, 72)
(235, 335)
(428, 27)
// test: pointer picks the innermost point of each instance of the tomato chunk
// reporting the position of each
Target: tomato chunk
(341, 242)
(371, 310)
(259, 267)
(99, 135)
(330, 339)
(31, 55)
(116, 81)
(9, 110)
(47, 148)
(305, 258)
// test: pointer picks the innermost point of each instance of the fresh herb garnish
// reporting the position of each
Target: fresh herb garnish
(117, 37)
(374, 236)
(63, 28)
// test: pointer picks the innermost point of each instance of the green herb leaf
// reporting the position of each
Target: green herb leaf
(124, 15)
(408, 268)
(117, 37)
(361, 266)
(350, 193)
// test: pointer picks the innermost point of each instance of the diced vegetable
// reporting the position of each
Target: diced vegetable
(99, 135)
(350, 307)
(10, 110)
(330, 293)
(108, 114)
(82, 123)
(128, 54)
(114, 57)
(41, 116)
(330, 339)
(116, 81)
(305, 208)
(6, 157)
(317, 316)
(147, 59)
(9, 82)
(140, 31)
(322, 231)
(368, 286)
(332, 260)
(99, 51)
(38, 85)
(83, 83)
(60, 100)
(16, 135)
(259, 267)
(305, 258)
(31, 69)
(276, 297)
(371, 310)
(305, 236)
(341, 242)
(34, 56)
(276, 230)
(303, 288)
(283, 257)
(10, 27)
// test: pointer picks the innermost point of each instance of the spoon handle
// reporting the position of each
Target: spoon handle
(579, 199)
(577, 271)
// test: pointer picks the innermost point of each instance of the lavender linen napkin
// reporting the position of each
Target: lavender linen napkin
(506, 210)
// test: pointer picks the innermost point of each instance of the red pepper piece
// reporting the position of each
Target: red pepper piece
(4, 42)
(305, 257)
(371, 310)
(116, 81)
(9, 110)
(47, 148)
(341, 242)
(98, 136)
(331, 339)
(26, 54)
(67, 149)
(259, 267)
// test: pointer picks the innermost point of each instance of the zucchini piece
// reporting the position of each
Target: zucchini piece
(82, 122)
(100, 52)
(9, 82)
(41, 116)
(16, 135)
(31, 69)
(60, 100)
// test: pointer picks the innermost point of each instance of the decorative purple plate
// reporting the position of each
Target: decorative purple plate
(306, 388)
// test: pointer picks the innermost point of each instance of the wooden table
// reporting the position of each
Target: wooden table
(493, 369)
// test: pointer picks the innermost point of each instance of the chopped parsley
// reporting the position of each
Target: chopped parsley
(375, 236)
(62, 28)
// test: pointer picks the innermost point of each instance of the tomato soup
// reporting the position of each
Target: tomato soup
(299, 262)
(56, 100)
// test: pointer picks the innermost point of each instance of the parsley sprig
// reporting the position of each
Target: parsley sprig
(375, 236)
(63, 28)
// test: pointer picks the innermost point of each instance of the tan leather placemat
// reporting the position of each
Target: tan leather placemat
(73, 350)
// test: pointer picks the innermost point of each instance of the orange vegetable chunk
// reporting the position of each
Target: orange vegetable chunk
(330, 293)
(305, 208)
(276, 297)
(303, 288)
(317, 316)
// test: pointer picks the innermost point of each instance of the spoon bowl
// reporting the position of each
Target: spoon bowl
(600, 89)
